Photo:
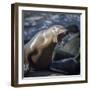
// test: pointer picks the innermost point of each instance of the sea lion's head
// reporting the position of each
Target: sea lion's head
(59, 31)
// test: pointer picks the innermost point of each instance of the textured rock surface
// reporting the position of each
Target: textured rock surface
(68, 47)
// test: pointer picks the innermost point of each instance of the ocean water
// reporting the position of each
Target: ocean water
(35, 21)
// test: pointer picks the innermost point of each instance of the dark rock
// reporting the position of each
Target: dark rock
(66, 66)
(68, 47)
(39, 73)
(73, 29)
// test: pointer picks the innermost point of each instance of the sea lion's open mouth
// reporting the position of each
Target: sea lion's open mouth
(61, 36)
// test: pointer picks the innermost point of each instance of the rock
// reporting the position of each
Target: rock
(68, 47)
(66, 66)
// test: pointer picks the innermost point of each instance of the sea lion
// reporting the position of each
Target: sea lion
(34, 48)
